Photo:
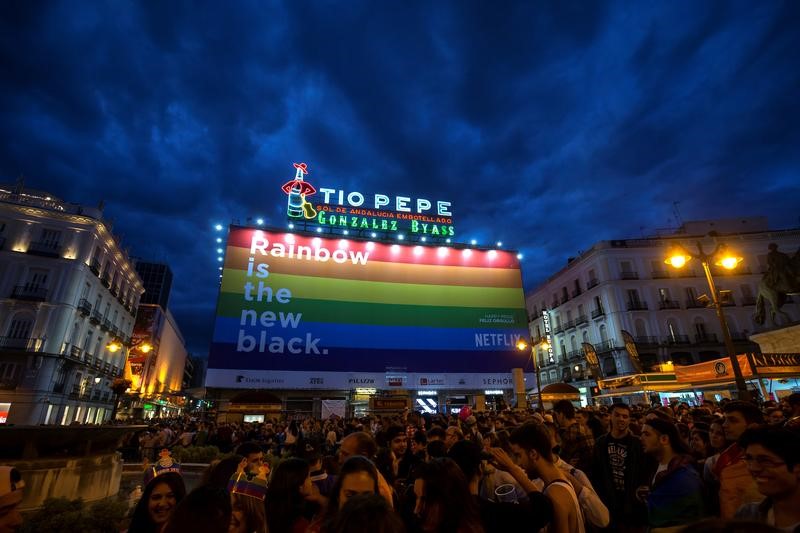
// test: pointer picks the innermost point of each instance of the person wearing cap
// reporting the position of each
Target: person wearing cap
(11, 486)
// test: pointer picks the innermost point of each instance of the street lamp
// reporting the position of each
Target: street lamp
(121, 385)
(678, 257)
(521, 346)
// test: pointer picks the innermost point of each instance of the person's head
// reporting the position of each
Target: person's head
(793, 401)
(289, 484)
(254, 453)
(436, 433)
(700, 443)
(443, 501)
(738, 417)
(772, 456)
(436, 448)
(159, 499)
(358, 475)
(358, 443)
(247, 514)
(563, 412)
(218, 475)
(716, 435)
(775, 416)
(367, 513)
(661, 438)
(620, 417)
(467, 455)
(452, 435)
(531, 447)
(11, 486)
(419, 442)
(397, 440)
(204, 510)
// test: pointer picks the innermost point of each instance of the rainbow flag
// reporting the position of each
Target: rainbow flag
(296, 302)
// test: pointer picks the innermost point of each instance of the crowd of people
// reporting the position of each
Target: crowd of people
(732, 466)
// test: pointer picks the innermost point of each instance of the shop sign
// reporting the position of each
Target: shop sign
(382, 403)
(353, 210)
(776, 363)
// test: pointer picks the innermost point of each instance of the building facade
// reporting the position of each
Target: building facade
(67, 289)
(626, 285)
(157, 280)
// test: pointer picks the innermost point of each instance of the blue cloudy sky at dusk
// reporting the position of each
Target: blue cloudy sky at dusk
(548, 125)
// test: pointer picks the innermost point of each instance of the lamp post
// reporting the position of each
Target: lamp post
(121, 384)
(677, 258)
(521, 346)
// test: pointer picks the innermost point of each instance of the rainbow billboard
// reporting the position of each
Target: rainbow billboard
(298, 311)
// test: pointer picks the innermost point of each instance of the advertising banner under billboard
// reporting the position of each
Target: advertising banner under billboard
(314, 312)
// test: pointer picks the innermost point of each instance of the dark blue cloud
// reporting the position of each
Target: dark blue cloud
(548, 126)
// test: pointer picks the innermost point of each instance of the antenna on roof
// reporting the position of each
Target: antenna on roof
(677, 213)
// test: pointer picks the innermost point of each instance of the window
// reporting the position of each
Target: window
(633, 297)
(663, 295)
(603, 333)
(598, 304)
(573, 343)
(747, 291)
(51, 238)
(585, 336)
(87, 342)
(592, 276)
(626, 266)
(8, 371)
(581, 311)
(108, 309)
(700, 328)
(20, 327)
(640, 327)
(97, 346)
(691, 295)
(37, 279)
(672, 330)
(577, 286)
(569, 317)
(85, 291)
(564, 294)
(563, 350)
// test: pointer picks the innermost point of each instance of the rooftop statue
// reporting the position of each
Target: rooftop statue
(782, 278)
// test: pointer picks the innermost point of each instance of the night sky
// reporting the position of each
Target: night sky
(548, 125)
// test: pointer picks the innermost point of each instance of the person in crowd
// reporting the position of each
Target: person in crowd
(471, 431)
(772, 456)
(357, 476)
(219, 472)
(621, 467)
(254, 453)
(159, 499)
(577, 442)
(319, 473)
(443, 502)
(204, 510)
(736, 486)
(774, 416)
(533, 510)
(675, 497)
(436, 433)
(11, 487)
(367, 513)
(700, 445)
(419, 445)
(452, 435)
(531, 447)
(247, 500)
(362, 443)
(292, 498)
(436, 449)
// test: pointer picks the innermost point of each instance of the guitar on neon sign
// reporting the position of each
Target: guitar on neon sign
(298, 189)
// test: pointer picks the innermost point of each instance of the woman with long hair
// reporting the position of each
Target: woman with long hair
(292, 498)
(248, 514)
(443, 500)
(160, 497)
(358, 475)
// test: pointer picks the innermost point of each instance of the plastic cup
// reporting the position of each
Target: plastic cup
(505, 493)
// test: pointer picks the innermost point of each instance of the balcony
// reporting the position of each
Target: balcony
(685, 273)
(592, 284)
(660, 274)
(669, 304)
(576, 292)
(75, 352)
(628, 274)
(706, 338)
(597, 313)
(84, 307)
(637, 306)
(605, 346)
(96, 317)
(646, 341)
(693, 304)
(582, 319)
(673, 340)
(570, 325)
(105, 325)
(24, 344)
(45, 249)
(748, 300)
(558, 329)
(30, 293)
(574, 355)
